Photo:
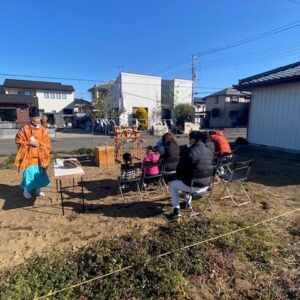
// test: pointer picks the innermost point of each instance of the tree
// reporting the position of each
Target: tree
(102, 107)
(183, 113)
(142, 116)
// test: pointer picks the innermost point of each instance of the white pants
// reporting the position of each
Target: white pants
(178, 185)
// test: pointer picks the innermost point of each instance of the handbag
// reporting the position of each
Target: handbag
(71, 163)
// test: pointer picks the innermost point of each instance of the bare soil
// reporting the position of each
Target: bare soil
(37, 227)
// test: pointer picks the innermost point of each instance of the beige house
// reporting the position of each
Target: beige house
(227, 108)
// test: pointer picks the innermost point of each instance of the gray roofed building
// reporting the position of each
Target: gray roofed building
(39, 85)
(285, 74)
(275, 106)
(229, 92)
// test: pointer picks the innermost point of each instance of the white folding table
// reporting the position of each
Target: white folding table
(61, 173)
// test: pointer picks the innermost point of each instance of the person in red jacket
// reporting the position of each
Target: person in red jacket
(220, 141)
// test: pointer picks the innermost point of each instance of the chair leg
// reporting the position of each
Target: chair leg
(231, 195)
(161, 184)
(121, 194)
(140, 192)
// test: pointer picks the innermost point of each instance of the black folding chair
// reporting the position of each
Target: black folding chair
(196, 187)
(167, 175)
(127, 183)
(236, 173)
(147, 179)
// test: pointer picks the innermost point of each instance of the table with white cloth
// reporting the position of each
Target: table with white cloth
(61, 173)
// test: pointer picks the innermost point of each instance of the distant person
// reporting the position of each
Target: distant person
(171, 151)
(220, 141)
(45, 121)
(130, 172)
(33, 157)
(194, 157)
(207, 141)
(151, 156)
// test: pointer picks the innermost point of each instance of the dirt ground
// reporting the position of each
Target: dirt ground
(37, 227)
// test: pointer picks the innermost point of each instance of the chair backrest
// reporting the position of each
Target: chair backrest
(168, 161)
(203, 174)
(240, 170)
(135, 168)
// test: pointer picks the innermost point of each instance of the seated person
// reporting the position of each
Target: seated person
(171, 151)
(195, 157)
(220, 141)
(130, 171)
(151, 156)
(207, 141)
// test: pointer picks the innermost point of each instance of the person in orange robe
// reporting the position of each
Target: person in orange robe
(33, 157)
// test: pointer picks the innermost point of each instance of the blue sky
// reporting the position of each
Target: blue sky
(96, 39)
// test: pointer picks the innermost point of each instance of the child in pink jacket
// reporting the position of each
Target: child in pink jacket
(153, 156)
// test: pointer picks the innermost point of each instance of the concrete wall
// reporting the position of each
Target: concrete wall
(11, 133)
(183, 91)
(274, 116)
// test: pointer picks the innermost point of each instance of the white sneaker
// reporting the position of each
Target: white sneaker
(26, 194)
(40, 193)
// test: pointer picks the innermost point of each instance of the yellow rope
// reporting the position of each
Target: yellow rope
(168, 253)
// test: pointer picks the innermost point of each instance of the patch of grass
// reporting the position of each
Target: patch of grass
(168, 277)
(7, 162)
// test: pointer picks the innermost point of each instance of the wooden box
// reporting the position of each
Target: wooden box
(105, 156)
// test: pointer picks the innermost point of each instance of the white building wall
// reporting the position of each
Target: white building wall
(183, 91)
(275, 116)
(54, 105)
(141, 91)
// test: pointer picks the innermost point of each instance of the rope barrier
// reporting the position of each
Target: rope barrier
(168, 253)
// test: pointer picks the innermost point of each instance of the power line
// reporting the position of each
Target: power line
(102, 81)
(243, 41)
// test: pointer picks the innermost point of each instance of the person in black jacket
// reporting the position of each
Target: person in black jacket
(171, 151)
(195, 157)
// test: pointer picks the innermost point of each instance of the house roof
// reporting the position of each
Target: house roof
(229, 92)
(38, 85)
(198, 100)
(289, 73)
(79, 101)
(17, 99)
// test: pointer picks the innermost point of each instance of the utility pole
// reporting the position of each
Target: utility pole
(194, 75)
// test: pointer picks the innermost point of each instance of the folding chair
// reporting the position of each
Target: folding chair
(149, 179)
(198, 190)
(168, 175)
(125, 183)
(236, 173)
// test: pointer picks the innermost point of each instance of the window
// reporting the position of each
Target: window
(234, 99)
(46, 95)
(58, 95)
(25, 93)
(8, 115)
(216, 100)
(52, 95)
(67, 111)
(64, 95)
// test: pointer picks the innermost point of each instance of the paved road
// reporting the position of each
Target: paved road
(8, 147)
(68, 142)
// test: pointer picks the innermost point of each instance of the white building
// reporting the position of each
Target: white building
(200, 111)
(54, 98)
(132, 91)
(274, 118)
(174, 92)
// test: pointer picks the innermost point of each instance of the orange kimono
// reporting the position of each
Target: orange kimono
(28, 155)
(33, 161)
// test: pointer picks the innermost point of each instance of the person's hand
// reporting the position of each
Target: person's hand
(34, 143)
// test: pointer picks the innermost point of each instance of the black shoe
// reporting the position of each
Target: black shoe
(175, 215)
